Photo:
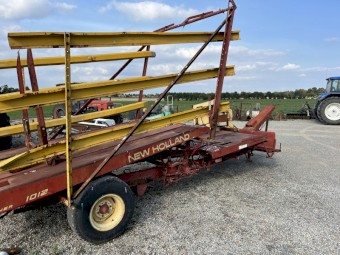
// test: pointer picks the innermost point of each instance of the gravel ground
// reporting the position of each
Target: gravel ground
(288, 204)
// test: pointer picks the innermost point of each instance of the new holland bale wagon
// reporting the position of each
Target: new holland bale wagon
(84, 170)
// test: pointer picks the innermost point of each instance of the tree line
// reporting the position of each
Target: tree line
(193, 96)
(7, 89)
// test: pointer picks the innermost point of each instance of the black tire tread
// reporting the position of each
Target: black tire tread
(6, 141)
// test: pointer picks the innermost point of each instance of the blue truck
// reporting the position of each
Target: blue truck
(327, 108)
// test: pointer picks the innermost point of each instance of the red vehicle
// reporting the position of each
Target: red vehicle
(93, 106)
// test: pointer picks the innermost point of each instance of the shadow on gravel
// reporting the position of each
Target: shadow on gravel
(156, 196)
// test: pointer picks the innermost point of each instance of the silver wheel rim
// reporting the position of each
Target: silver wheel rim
(332, 111)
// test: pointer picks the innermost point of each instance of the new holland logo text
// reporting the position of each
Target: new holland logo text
(158, 148)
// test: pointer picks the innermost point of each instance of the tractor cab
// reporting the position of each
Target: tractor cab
(333, 84)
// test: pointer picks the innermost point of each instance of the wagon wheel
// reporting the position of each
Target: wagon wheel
(103, 210)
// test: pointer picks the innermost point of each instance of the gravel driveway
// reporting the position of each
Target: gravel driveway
(288, 204)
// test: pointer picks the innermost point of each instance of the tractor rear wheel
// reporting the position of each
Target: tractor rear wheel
(118, 118)
(6, 141)
(315, 111)
(329, 111)
(103, 210)
(58, 111)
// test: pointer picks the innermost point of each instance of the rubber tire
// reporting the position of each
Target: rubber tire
(78, 215)
(6, 141)
(315, 111)
(118, 118)
(56, 109)
(318, 111)
(322, 107)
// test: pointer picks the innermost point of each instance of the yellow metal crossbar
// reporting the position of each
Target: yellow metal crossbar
(47, 96)
(102, 136)
(12, 63)
(18, 129)
(80, 40)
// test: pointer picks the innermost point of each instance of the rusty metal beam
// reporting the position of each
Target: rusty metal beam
(255, 123)
(16, 101)
(60, 60)
(108, 39)
(221, 71)
(38, 109)
(18, 129)
(25, 116)
(87, 140)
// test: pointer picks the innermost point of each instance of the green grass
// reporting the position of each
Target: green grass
(48, 113)
(284, 105)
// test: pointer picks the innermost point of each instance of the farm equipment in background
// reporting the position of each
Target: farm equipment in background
(327, 108)
(93, 106)
(5, 141)
(162, 110)
(305, 112)
(84, 171)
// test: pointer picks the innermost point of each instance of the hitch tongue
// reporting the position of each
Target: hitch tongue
(255, 123)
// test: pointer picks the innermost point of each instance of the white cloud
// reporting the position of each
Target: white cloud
(10, 28)
(32, 9)
(5, 52)
(322, 69)
(148, 10)
(186, 52)
(244, 51)
(290, 67)
(242, 78)
(90, 70)
(162, 69)
(302, 75)
(245, 68)
(287, 67)
(332, 39)
(261, 63)
(64, 6)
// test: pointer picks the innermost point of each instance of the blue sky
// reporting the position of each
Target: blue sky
(285, 45)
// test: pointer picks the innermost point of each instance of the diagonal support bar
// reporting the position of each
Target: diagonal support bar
(187, 21)
(161, 96)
